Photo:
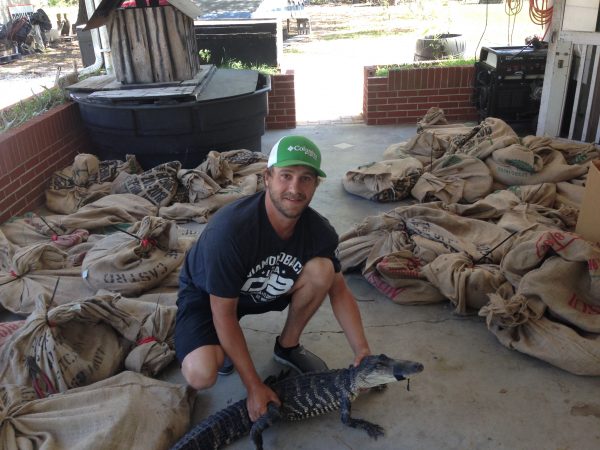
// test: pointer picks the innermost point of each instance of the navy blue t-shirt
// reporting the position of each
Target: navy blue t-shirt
(239, 254)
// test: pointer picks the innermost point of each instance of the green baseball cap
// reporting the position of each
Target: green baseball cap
(296, 151)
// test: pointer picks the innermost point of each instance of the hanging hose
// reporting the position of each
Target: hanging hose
(540, 13)
(512, 8)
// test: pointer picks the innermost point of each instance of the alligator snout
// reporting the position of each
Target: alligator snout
(402, 369)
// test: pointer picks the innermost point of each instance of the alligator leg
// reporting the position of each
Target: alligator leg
(372, 429)
(262, 423)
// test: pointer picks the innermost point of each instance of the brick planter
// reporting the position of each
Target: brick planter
(282, 102)
(405, 95)
(31, 153)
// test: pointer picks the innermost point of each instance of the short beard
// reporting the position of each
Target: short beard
(279, 207)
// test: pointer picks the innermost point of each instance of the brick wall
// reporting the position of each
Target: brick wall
(405, 95)
(29, 154)
(282, 102)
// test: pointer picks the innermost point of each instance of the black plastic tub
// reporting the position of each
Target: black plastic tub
(176, 130)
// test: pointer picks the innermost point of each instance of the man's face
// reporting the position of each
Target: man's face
(291, 189)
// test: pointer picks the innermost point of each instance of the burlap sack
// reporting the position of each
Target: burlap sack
(477, 238)
(427, 145)
(529, 248)
(133, 264)
(182, 212)
(364, 241)
(230, 193)
(491, 207)
(67, 201)
(432, 138)
(543, 194)
(568, 194)
(23, 233)
(72, 187)
(155, 343)
(528, 215)
(453, 179)
(433, 116)
(399, 275)
(520, 324)
(574, 152)
(158, 185)
(217, 167)
(239, 160)
(569, 289)
(198, 184)
(7, 329)
(40, 269)
(517, 165)
(75, 344)
(427, 250)
(485, 138)
(128, 411)
(108, 211)
(85, 181)
(465, 284)
(385, 181)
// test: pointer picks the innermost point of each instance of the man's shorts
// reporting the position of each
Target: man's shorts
(194, 325)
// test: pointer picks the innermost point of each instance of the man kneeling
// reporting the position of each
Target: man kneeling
(263, 253)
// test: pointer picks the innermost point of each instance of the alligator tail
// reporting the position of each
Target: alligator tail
(218, 430)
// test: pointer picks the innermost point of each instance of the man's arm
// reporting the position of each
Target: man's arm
(232, 340)
(347, 314)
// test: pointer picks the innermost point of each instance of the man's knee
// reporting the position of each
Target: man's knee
(199, 372)
(318, 274)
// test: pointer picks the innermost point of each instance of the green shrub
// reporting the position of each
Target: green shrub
(235, 64)
(382, 71)
(33, 106)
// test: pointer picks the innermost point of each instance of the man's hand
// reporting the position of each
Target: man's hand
(258, 398)
(360, 355)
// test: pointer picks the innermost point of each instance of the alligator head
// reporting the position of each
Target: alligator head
(376, 370)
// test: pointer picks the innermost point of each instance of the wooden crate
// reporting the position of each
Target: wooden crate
(153, 45)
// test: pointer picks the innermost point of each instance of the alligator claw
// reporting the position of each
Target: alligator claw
(375, 431)
(372, 429)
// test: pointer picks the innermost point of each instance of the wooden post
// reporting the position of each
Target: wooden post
(153, 45)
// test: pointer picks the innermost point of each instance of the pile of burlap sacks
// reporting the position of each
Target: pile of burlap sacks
(97, 283)
(488, 224)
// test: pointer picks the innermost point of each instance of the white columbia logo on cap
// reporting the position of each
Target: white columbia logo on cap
(300, 148)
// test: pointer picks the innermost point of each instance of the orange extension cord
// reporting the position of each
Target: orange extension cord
(540, 13)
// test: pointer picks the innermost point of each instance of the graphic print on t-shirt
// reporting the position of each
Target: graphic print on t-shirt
(272, 278)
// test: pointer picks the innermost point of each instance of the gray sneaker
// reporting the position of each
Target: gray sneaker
(298, 358)
(227, 367)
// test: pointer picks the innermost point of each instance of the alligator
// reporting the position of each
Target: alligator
(302, 396)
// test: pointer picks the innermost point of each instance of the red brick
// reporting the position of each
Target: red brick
(397, 113)
(387, 107)
(418, 99)
(445, 105)
(397, 100)
(387, 121)
(379, 101)
(459, 97)
(408, 106)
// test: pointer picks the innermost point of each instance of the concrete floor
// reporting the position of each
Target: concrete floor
(473, 394)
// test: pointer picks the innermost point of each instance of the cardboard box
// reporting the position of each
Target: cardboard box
(588, 223)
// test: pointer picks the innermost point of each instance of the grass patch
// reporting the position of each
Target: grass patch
(292, 50)
(262, 68)
(33, 106)
(360, 34)
(382, 71)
